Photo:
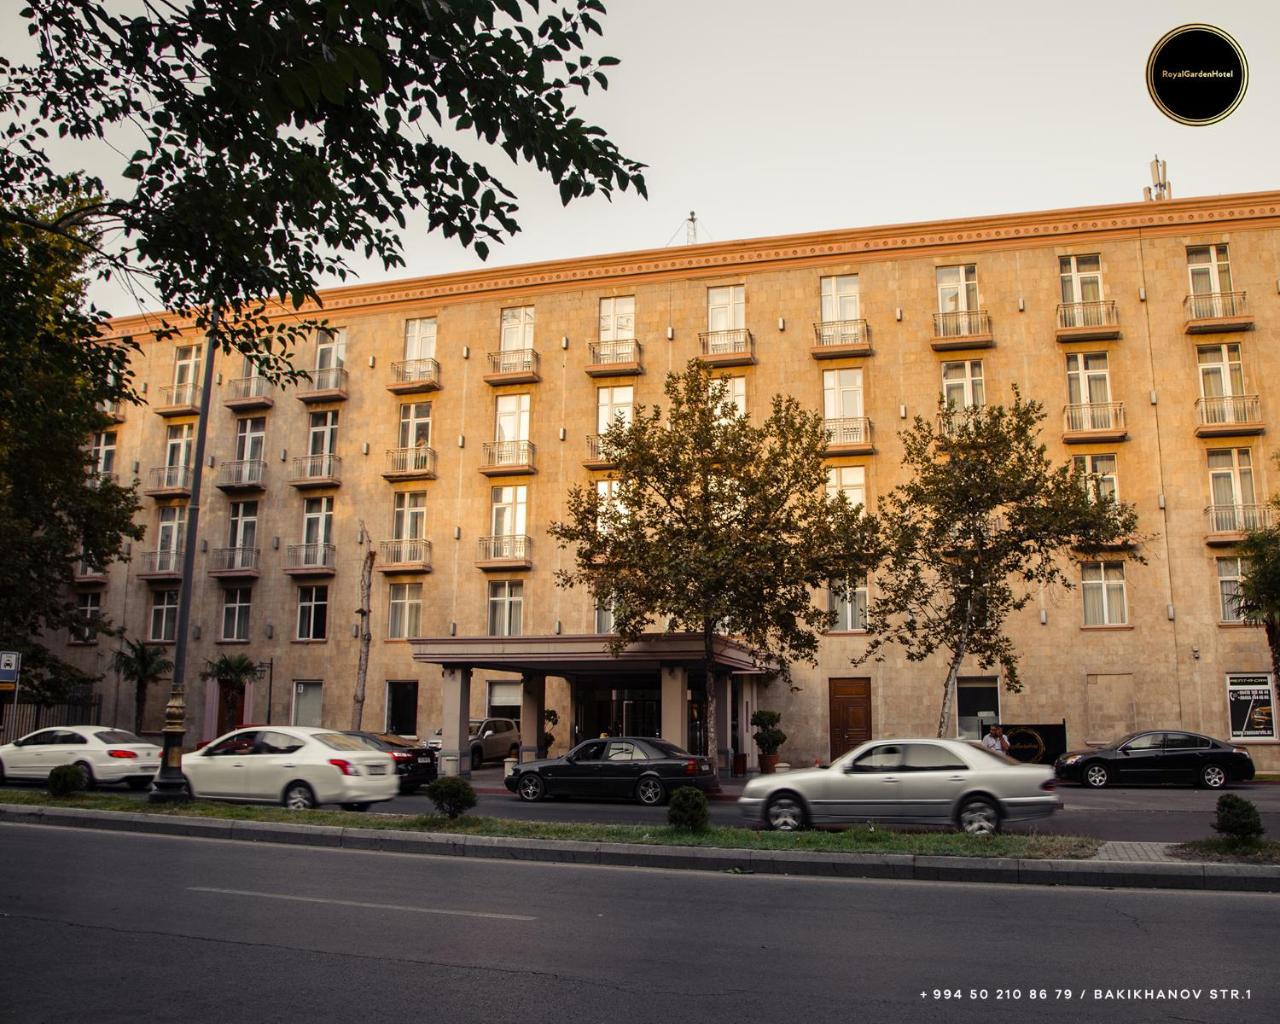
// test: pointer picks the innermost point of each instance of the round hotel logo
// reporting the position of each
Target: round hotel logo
(1197, 74)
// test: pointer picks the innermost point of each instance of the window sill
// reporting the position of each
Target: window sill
(846, 632)
(1236, 625)
(1108, 628)
(322, 640)
(396, 639)
(161, 643)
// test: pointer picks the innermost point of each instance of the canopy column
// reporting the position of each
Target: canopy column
(724, 741)
(675, 705)
(455, 741)
(532, 704)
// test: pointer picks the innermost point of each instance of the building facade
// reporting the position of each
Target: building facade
(450, 416)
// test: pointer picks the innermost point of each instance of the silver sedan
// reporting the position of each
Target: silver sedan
(924, 782)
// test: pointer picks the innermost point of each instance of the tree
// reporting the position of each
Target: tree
(984, 523)
(141, 664)
(56, 510)
(716, 526)
(1259, 596)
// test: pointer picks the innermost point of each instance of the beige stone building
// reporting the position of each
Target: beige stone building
(451, 414)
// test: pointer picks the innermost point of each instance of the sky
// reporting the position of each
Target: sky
(770, 118)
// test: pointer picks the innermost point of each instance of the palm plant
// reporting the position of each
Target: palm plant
(232, 673)
(141, 664)
(1258, 598)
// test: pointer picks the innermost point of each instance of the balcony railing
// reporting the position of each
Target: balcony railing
(508, 453)
(736, 345)
(1216, 306)
(179, 396)
(169, 478)
(415, 375)
(1237, 518)
(513, 361)
(250, 389)
(311, 556)
(840, 334)
(419, 461)
(316, 467)
(85, 571)
(112, 410)
(621, 352)
(164, 562)
(848, 432)
(325, 384)
(506, 547)
(1093, 416)
(407, 551)
(234, 559)
(595, 451)
(1076, 317)
(1225, 410)
(245, 473)
(964, 323)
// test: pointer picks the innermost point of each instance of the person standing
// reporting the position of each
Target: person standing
(996, 741)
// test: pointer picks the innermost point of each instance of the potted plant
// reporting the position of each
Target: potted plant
(768, 738)
(552, 719)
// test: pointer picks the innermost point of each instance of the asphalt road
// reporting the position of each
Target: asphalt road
(111, 927)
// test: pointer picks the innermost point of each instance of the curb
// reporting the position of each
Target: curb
(1104, 874)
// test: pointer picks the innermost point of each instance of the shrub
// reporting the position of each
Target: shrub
(1238, 819)
(452, 795)
(770, 737)
(65, 780)
(688, 810)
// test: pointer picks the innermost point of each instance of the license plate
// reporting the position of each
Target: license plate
(377, 769)
(424, 760)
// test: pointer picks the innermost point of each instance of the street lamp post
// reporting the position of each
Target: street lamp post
(267, 668)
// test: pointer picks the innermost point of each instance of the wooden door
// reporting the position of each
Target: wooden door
(850, 714)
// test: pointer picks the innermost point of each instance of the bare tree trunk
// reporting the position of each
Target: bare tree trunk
(949, 690)
(362, 667)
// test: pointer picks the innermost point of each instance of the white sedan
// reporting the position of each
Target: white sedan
(298, 766)
(102, 754)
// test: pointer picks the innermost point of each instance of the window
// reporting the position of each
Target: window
(404, 618)
(884, 758)
(620, 750)
(186, 365)
(929, 757)
(1221, 381)
(251, 438)
(851, 481)
(1098, 475)
(103, 452)
(1231, 489)
(613, 404)
(317, 521)
(420, 338)
(415, 425)
(1209, 268)
(88, 611)
(331, 349)
(604, 616)
(841, 394)
(1147, 741)
(235, 613)
(313, 614)
(607, 493)
(173, 528)
(323, 435)
(250, 368)
(1230, 571)
(506, 608)
(1104, 597)
(962, 384)
(1089, 392)
(957, 289)
(164, 616)
(840, 298)
(512, 421)
(517, 329)
(178, 439)
(409, 516)
(850, 606)
(402, 707)
(736, 392)
(726, 308)
(618, 318)
(509, 506)
(1081, 279)
(243, 532)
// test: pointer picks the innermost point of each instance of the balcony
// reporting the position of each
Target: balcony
(165, 564)
(966, 328)
(114, 411)
(179, 400)
(169, 482)
(727, 348)
(316, 471)
(310, 559)
(513, 366)
(247, 475)
(412, 376)
(327, 385)
(1088, 321)
(595, 459)
(1228, 416)
(86, 572)
(836, 339)
(848, 435)
(505, 552)
(614, 358)
(1227, 524)
(97, 479)
(507, 458)
(410, 464)
(1091, 422)
(407, 555)
(250, 393)
(228, 563)
(1217, 312)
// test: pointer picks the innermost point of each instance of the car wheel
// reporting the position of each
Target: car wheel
(1213, 776)
(1, 773)
(477, 758)
(87, 780)
(785, 813)
(650, 791)
(298, 796)
(1096, 775)
(531, 787)
(355, 807)
(137, 785)
(191, 790)
(979, 817)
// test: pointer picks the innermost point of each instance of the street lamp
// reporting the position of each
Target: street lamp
(267, 669)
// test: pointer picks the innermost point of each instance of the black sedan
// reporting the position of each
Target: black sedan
(415, 762)
(628, 767)
(1156, 757)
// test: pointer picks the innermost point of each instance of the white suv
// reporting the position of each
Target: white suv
(490, 739)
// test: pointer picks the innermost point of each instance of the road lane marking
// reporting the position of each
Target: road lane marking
(358, 903)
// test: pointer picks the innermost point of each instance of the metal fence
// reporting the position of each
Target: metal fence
(16, 720)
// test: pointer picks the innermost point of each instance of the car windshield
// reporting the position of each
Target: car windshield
(475, 724)
(338, 741)
(668, 749)
(117, 736)
(1002, 758)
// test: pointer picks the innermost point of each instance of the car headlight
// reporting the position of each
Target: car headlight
(1071, 760)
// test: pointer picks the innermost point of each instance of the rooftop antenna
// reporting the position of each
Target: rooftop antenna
(1159, 189)
(691, 229)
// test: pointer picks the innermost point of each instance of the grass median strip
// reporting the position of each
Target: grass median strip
(1229, 851)
(853, 840)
